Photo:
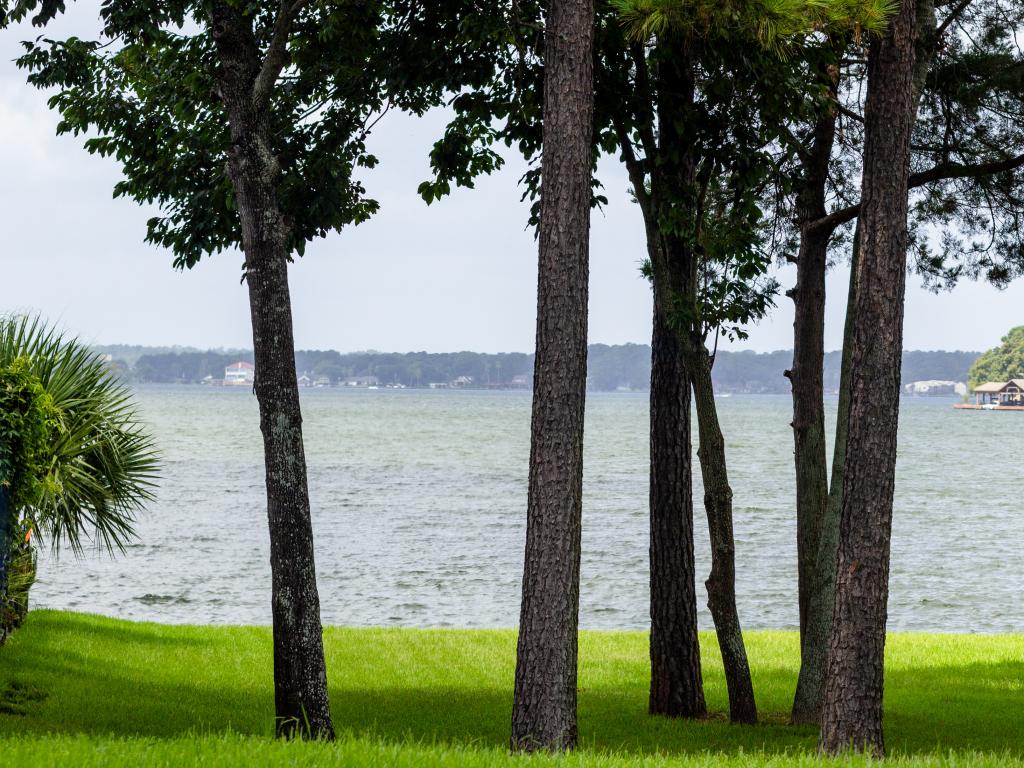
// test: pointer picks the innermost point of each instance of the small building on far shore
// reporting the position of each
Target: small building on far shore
(363, 381)
(1002, 393)
(933, 388)
(239, 374)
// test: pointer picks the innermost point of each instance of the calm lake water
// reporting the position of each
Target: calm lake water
(419, 502)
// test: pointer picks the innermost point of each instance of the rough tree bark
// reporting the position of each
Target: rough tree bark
(721, 583)
(677, 689)
(814, 645)
(675, 192)
(818, 624)
(300, 677)
(544, 706)
(852, 705)
(807, 378)
(806, 375)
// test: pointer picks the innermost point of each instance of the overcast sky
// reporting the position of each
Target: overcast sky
(459, 275)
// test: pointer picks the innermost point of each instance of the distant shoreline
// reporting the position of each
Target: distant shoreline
(620, 368)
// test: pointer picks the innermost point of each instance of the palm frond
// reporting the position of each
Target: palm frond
(102, 468)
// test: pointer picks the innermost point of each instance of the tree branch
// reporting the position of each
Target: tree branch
(645, 97)
(940, 172)
(634, 168)
(277, 52)
(952, 16)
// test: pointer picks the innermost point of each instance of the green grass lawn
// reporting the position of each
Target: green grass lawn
(83, 690)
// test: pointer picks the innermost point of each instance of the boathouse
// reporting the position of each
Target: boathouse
(1005, 393)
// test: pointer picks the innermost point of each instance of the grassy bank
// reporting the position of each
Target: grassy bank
(84, 690)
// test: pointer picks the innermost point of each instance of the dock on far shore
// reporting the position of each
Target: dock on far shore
(988, 407)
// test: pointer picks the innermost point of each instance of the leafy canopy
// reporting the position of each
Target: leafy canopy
(772, 23)
(735, 129)
(970, 127)
(43, 11)
(1003, 363)
(145, 93)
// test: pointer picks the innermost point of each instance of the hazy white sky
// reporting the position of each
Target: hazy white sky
(458, 275)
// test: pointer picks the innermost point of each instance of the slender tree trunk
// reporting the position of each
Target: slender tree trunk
(806, 375)
(809, 453)
(852, 706)
(807, 378)
(721, 584)
(300, 676)
(677, 689)
(814, 649)
(544, 706)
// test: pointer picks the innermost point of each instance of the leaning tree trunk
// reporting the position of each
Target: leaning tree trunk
(852, 705)
(300, 675)
(721, 584)
(677, 689)
(544, 706)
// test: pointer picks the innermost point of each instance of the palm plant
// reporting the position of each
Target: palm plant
(94, 469)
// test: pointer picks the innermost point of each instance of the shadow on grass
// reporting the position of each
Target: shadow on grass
(96, 676)
(930, 710)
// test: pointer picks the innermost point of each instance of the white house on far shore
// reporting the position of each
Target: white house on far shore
(239, 374)
(933, 387)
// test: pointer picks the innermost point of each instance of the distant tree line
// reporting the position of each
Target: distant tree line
(624, 367)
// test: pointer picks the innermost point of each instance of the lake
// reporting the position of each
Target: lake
(419, 502)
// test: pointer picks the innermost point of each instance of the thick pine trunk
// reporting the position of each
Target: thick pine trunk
(544, 706)
(818, 624)
(300, 675)
(721, 583)
(674, 184)
(852, 705)
(677, 689)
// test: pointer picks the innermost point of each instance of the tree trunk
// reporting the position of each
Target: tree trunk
(807, 378)
(810, 686)
(815, 638)
(721, 584)
(6, 529)
(677, 689)
(852, 705)
(544, 706)
(300, 676)
(675, 190)
(806, 375)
